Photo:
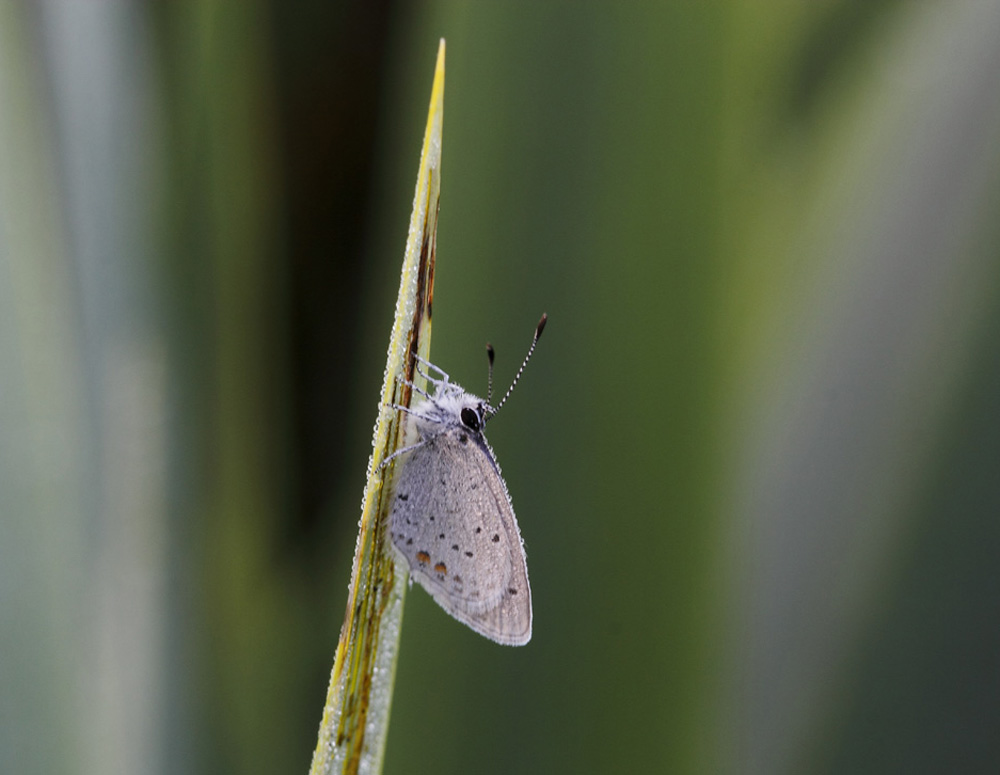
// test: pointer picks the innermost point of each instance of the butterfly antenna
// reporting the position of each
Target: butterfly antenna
(520, 371)
(489, 383)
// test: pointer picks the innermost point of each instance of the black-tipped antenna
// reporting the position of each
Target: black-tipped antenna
(520, 371)
(489, 384)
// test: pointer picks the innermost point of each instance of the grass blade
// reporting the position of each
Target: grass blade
(355, 722)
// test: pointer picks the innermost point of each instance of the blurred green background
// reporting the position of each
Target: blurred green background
(756, 458)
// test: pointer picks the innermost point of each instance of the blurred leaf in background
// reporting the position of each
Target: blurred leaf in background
(754, 459)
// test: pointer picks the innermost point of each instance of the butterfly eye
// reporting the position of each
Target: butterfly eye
(470, 419)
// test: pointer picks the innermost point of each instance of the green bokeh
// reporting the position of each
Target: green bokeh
(753, 458)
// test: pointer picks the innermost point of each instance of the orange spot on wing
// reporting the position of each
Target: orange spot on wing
(441, 568)
(423, 557)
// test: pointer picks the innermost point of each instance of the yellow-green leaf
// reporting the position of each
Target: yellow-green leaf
(355, 720)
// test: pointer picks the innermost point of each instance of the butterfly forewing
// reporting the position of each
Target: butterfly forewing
(452, 520)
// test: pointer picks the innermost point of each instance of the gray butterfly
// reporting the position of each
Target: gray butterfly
(451, 517)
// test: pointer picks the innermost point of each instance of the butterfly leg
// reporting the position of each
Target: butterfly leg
(408, 410)
(414, 387)
(426, 375)
(403, 450)
(413, 413)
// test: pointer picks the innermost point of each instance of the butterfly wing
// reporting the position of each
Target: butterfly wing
(453, 522)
